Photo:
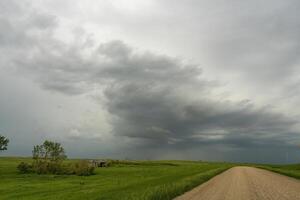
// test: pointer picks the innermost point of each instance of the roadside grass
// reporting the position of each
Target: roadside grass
(128, 180)
(292, 170)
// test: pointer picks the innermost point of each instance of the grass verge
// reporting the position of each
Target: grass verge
(288, 170)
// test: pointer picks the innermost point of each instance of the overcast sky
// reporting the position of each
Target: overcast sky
(152, 79)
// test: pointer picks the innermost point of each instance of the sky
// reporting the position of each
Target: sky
(154, 79)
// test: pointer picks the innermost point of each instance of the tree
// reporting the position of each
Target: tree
(3, 143)
(49, 151)
(48, 158)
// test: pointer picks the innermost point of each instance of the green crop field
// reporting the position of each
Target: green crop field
(153, 180)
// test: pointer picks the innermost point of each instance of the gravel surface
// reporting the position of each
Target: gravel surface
(246, 183)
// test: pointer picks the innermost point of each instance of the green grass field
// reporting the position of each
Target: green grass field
(152, 180)
(288, 170)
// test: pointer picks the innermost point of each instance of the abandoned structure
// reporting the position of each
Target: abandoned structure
(98, 163)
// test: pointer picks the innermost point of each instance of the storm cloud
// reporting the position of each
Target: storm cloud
(156, 102)
(156, 98)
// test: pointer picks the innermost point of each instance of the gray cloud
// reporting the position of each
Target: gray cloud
(157, 102)
(156, 98)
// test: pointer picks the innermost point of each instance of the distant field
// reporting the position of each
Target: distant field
(153, 180)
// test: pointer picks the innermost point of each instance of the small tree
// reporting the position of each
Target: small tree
(49, 151)
(3, 143)
(48, 158)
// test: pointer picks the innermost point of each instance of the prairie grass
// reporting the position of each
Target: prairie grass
(128, 180)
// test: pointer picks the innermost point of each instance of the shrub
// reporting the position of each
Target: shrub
(83, 168)
(45, 167)
(25, 168)
(109, 163)
(41, 167)
(55, 168)
(66, 169)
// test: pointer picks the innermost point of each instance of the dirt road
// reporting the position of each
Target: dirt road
(246, 183)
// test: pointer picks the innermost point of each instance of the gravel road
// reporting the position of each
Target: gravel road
(246, 183)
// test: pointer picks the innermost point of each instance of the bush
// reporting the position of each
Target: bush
(41, 167)
(66, 169)
(55, 168)
(109, 163)
(45, 167)
(25, 168)
(83, 168)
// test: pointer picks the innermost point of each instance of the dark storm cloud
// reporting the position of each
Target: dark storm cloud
(168, 117)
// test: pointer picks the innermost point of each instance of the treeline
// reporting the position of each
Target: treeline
(48, 158)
